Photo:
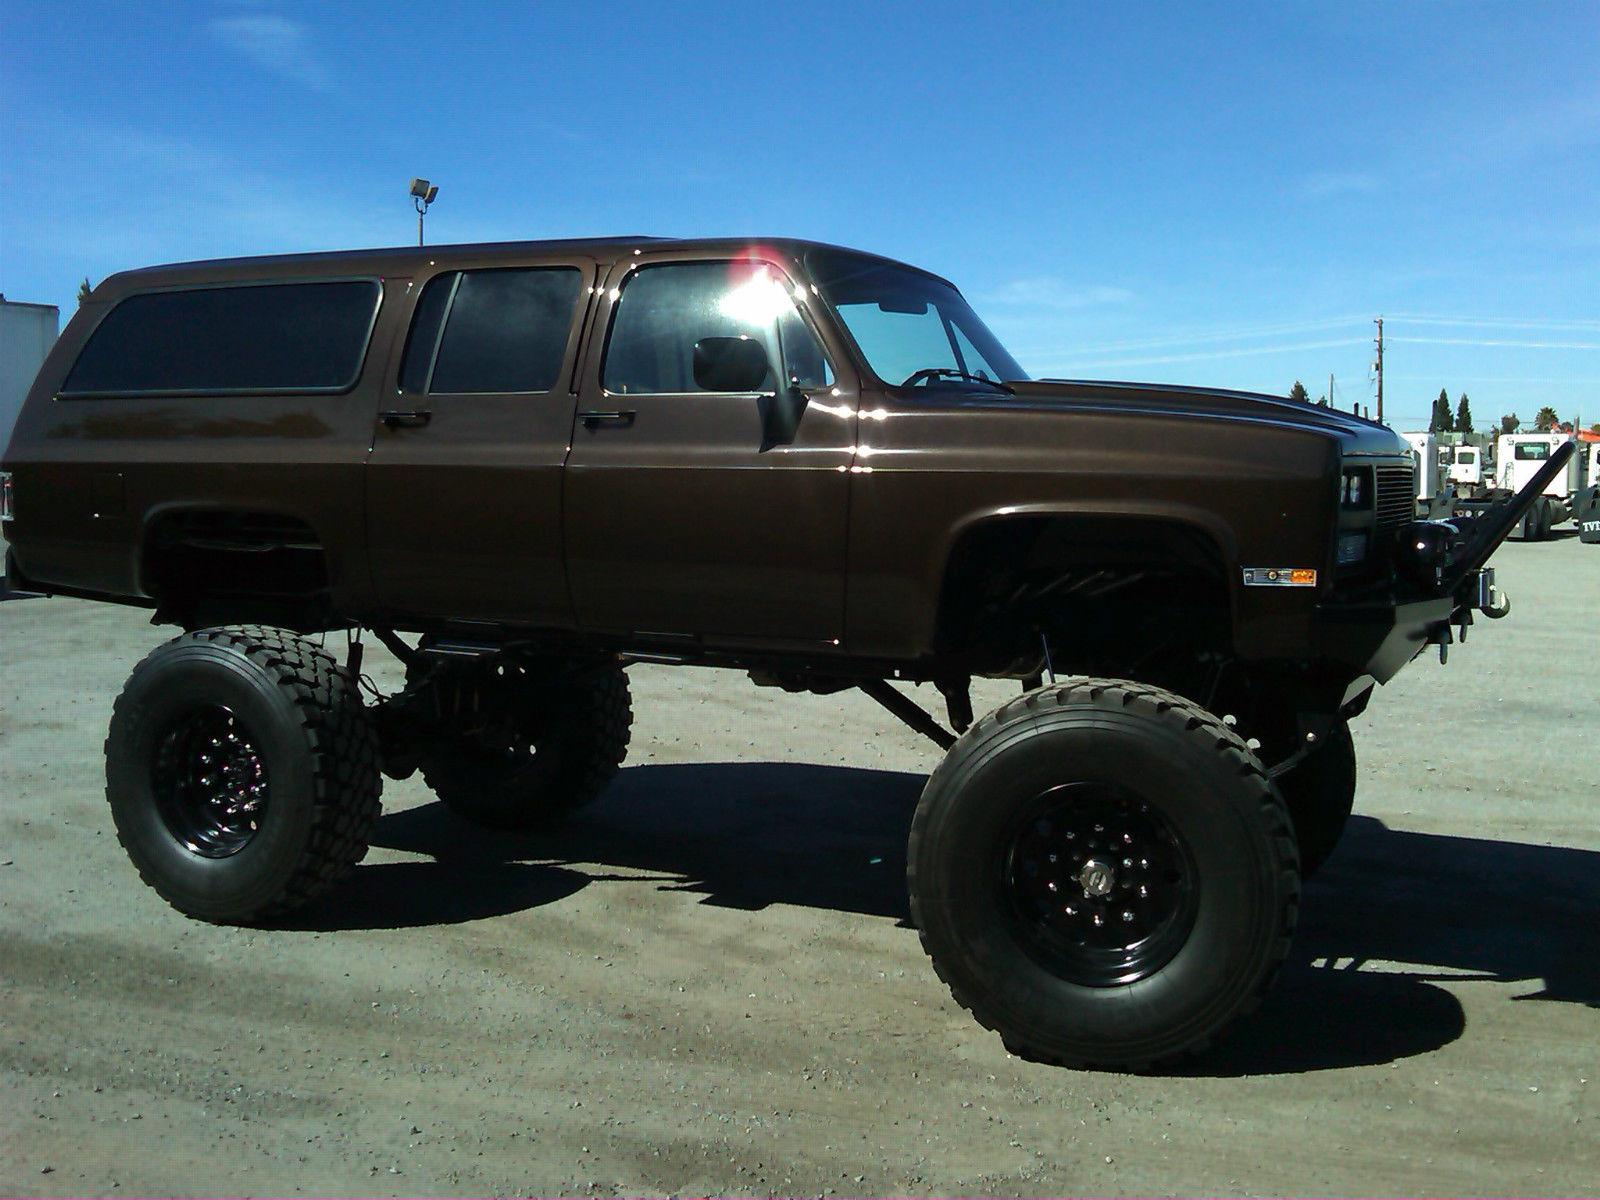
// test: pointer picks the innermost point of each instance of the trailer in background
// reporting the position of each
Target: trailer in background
(27, 331)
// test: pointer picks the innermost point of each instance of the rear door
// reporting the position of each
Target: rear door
(464, 479)
(694, 514)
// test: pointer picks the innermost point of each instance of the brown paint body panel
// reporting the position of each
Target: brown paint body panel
(1260, 494)
(685, 523)
(463, 513)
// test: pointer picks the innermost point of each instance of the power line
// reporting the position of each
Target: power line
(1498, 322)
(1476, 379)
(1433, 341)
(1200, 356)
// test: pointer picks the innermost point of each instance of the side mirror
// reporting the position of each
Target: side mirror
(730, 364)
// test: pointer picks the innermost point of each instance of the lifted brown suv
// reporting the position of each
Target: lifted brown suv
(524, 466)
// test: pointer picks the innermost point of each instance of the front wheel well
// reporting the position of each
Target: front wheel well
(1108, 595)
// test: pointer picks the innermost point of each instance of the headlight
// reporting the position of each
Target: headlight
(1355, 488)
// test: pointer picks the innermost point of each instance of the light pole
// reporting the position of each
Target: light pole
(422, 194)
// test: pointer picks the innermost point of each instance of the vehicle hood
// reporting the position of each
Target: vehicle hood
(1356, 434)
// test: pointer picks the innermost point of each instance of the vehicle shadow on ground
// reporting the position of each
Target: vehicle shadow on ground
(1391, 915)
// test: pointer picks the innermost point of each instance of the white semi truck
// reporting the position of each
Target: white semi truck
(1471, 469)
(1518, 458)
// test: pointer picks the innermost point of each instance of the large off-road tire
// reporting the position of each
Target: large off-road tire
(242, 772)
(542, 763)
(1103, 874)
(1320, 794)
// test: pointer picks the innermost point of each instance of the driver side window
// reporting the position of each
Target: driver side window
(665, 309)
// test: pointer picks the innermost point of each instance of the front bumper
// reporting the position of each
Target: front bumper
(1434, 590)
(1379, 637)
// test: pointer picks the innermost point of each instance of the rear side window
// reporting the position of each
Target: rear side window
(503, 331)
(1531, 451)
(277, 337)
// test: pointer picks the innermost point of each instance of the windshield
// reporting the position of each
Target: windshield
(913, 329)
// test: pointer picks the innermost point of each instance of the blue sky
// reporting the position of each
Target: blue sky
(1208, 193)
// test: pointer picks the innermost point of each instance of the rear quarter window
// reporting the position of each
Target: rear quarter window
(279, 337)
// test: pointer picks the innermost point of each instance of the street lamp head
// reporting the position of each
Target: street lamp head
(423, 190)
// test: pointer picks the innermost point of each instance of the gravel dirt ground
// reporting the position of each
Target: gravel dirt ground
(708, 983)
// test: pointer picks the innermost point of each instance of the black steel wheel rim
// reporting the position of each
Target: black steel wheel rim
(210, 781)
(1100, 887)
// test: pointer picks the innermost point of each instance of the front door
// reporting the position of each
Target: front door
(464, 480)
(696, 514)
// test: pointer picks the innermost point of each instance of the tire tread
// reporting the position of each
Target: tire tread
(1194, 722)
(341, 740)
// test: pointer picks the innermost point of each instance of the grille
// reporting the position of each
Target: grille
(1396, 497)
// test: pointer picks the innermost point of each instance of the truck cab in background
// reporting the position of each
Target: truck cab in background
(1471, 469)
(1520, 456)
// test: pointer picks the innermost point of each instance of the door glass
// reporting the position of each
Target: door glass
(805, 365)
(424, 337)
(666, 309)
(506, 330)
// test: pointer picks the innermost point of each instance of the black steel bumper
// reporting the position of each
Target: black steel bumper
(1378, 638)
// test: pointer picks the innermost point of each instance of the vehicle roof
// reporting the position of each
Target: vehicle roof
(405, 260)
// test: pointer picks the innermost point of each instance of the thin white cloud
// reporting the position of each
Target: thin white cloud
(275, 44)
(1204, 356)
(1435, 341)
(1339, 183)
(1054, 295)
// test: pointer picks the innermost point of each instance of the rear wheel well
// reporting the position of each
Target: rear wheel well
(1112, 595)
(225, 566)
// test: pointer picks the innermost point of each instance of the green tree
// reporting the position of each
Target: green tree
(1509, 423)
(1463, 414)
(83, 291)
(1298, 393)
(1595, 428)
(1441, 422)
(1546, 420)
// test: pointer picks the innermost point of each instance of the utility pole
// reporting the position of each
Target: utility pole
(1377, 367)
(1330, 389)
